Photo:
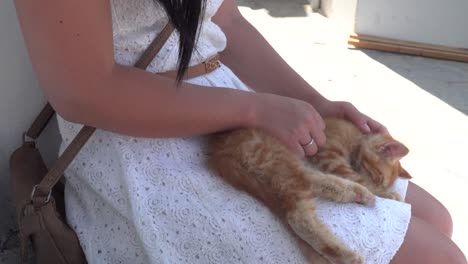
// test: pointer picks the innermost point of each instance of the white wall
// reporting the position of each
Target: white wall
(342, 12)
(441, 22)
(20, 101)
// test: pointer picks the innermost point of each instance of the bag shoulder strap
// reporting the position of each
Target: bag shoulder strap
(41, 192)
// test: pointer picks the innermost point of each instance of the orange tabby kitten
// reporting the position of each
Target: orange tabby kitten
(351, 161)
(371, 160)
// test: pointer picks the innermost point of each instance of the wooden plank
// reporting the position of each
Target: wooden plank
(409, 44)
(409, 50)
(402, 47)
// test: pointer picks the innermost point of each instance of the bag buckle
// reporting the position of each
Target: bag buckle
(28, 139)
(34, 192)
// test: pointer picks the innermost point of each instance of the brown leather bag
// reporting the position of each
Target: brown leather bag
(39, 193)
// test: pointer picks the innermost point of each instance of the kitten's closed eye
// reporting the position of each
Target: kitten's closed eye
(373, 172)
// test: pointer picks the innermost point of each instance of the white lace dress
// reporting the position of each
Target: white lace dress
(140, 200)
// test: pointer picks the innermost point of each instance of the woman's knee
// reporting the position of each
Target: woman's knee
(443, 220)
(425, 244)
(429, 209)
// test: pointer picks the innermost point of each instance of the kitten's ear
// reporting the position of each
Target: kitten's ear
(403, 173)
(393, 150)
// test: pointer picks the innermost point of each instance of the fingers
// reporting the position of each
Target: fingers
(296, 123)
(376, 127)
(319, 137)
(310, 148)
(369, 125)
(317, 131)
(359, 119)
(315, 138)
(305, 146)
(299, 150)
(365, 123)
(309, 142)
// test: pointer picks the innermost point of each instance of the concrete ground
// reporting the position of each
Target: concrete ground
(423, 102)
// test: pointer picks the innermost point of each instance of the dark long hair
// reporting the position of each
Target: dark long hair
(185, 15)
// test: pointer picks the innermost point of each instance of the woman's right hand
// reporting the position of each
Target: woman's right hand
(293, 122)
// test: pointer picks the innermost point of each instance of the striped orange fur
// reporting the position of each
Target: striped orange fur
(371, 160)
(351, 167)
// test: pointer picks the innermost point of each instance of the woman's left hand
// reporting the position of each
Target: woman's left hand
(346, 110)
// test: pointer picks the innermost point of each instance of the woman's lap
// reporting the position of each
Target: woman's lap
(428, 237)
(429, 209)
(134, 171)
(425, 244)
(376, 232)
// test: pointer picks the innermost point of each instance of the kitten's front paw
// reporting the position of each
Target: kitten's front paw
(356, 260)
(393, 195)
(350, 258)
(363, 195)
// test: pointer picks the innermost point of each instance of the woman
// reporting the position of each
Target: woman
(139, 191)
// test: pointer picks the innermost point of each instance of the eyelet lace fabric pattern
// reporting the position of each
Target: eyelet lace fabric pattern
(141, 200)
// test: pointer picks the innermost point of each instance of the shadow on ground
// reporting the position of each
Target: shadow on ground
(278, 8)
(447, 80)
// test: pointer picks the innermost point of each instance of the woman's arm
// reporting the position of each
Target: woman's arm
(70, 44)
(252, 58)
(71, 48)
